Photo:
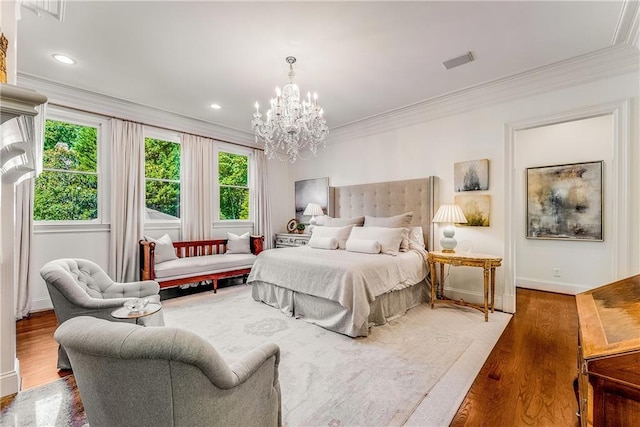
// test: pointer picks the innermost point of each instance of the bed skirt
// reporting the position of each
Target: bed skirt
(334, 317)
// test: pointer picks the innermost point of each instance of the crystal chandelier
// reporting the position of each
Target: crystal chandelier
(291, 125)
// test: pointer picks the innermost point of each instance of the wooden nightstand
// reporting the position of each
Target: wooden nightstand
(286, 240)
(487, 262)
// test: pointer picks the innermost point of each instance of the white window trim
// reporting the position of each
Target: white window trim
(62, 114)
(232, 149)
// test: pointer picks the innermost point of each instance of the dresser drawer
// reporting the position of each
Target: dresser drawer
(284, 240)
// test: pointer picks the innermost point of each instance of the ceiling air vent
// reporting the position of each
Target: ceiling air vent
(460, 60)
(54, 8)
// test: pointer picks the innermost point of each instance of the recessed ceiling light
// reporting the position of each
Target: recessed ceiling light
(63, 58)
(215, 106)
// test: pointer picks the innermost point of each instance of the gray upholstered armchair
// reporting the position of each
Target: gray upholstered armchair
(79, 287)
(130, 375)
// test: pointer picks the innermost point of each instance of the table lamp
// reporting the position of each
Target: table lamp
(314, 210)
(449, 215)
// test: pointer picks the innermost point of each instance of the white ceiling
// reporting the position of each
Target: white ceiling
(362, 58)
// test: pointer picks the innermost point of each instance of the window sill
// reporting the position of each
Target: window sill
(232, 223)
(70, 228)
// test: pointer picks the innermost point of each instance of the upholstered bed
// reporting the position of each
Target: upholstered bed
(348, 292)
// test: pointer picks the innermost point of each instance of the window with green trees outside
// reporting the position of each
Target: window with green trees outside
(162, 179)
(67, 188)
(233, 174)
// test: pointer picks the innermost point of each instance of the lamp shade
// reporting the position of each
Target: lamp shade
(314, 209)
(451, 214)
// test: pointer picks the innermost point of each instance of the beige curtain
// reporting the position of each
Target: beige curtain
(262, 205)
(23, 241)
(127, 199)
(23, 236)
(196, 187)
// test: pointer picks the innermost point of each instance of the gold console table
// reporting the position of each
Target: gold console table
(487, 262)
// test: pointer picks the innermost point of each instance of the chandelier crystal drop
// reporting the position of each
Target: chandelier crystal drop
(291, 126)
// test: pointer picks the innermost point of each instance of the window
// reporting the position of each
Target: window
(162, 179)
(233, 180)
(67, 188)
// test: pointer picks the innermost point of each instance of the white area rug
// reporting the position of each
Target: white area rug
(414, 370)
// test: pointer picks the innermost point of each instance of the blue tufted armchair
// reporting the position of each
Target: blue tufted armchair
(79, 287)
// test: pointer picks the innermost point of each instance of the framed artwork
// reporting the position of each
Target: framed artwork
(476, 209)
(471, 176)
(564, 202)
(311, 191)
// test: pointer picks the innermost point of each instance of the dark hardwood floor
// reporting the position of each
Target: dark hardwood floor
(526, 381)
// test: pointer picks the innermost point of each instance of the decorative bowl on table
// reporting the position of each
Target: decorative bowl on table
(136, 305)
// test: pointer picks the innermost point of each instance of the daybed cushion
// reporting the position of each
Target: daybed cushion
(197, 265)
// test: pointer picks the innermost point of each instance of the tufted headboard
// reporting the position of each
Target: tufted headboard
(419, 196)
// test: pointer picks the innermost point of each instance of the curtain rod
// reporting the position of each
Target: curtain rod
(82, 110)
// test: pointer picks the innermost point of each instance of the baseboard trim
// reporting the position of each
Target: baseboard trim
(10, 381)
(41, 304)
(509, 303)
(549, 286)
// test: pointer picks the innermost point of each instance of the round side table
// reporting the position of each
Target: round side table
(125, 313)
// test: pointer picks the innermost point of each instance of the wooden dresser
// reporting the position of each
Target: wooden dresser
(609, 354)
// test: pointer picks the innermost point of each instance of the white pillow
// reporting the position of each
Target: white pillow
(164, 249)
(323, 243)
(363, 245)
(416, 237)
(389, 238)
(238, 244)
(341, 234)
(398, 221)
(341, 222)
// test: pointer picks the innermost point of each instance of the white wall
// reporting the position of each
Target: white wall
(432, 147)
(580, 263)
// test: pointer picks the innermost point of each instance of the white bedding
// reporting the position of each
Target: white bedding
(351, 279)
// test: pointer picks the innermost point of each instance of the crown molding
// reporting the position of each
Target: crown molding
(612, 61)
(628, 25)
(604, 63)
(72, 97)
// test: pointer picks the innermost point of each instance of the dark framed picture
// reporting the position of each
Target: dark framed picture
(311, 191)
(565, 202)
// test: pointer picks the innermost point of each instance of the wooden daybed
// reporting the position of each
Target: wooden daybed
(197, 261)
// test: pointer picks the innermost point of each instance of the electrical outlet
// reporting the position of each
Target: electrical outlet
(556, 272)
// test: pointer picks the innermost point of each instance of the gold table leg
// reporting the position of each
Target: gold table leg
(486, 291)
(434, 282)
(493, 288)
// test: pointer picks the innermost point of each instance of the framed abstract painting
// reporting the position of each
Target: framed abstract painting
(471, 176)
(311, 191)
(565, 202)
(476, 208)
